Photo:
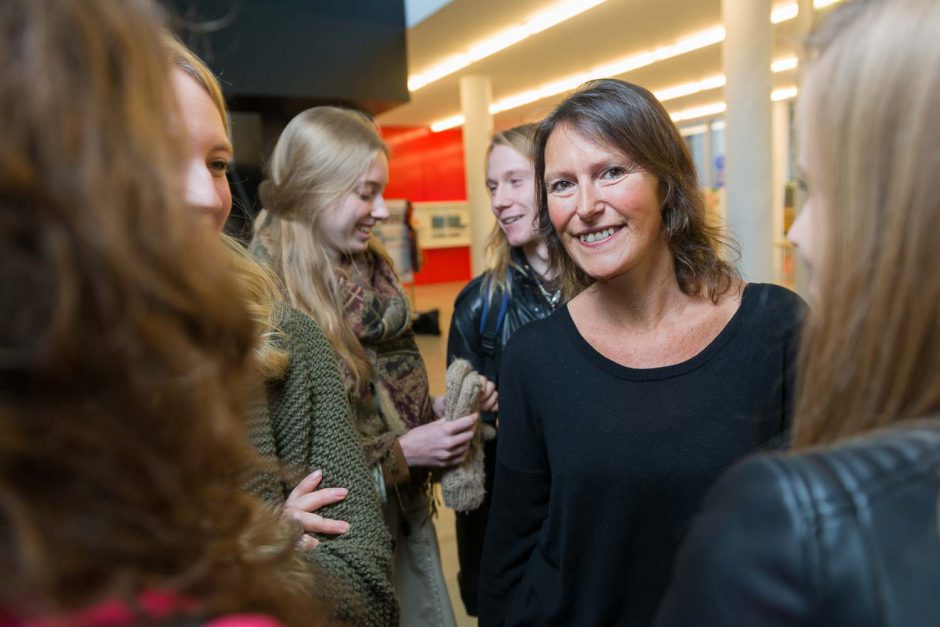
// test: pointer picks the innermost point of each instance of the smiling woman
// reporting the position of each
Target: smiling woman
(619, 410)
(321, 200)
(586, 178)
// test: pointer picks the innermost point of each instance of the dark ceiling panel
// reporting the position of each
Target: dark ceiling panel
(282, 56)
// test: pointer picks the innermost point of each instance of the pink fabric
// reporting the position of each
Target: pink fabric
(244, 620)
(155, 604)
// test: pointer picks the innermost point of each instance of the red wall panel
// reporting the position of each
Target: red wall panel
(426, 166)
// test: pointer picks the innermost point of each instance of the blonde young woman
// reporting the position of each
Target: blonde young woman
(845, 530)
(302, 424)
(512, 292)
(321, 200)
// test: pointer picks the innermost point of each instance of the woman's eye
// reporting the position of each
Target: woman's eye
(801, 185)
(559, 186)
(365, 197)
(219, 167)
(614, 173)
(515, 182)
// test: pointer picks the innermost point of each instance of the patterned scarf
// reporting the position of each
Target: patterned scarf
(397, 398)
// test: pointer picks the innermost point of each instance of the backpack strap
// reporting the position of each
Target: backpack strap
(490, 326)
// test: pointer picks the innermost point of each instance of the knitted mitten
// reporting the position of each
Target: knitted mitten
(462, 486)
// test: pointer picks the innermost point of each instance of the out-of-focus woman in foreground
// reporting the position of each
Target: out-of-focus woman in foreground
(125, 355)
(845, 530)
(303, 423)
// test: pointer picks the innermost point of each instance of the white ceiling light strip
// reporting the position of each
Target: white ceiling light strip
(784, 93)
(697, 41)
(615, 68)
(663, 95)
(717, 108)
(688, 89)
(783, 64)
(537, 23)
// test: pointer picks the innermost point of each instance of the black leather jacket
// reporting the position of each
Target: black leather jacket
(842, 536)
(526, 303)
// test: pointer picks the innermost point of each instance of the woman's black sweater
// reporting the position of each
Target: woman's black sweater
(601, 467)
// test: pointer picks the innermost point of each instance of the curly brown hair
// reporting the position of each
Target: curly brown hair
(630, 119)
(125, 352)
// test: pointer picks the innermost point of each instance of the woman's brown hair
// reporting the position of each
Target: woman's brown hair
(125, 351)
(871, 350)
(628, 118)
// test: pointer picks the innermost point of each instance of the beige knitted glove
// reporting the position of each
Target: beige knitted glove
(462, 486)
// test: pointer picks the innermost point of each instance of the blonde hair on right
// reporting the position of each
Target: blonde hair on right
(319, 157)
(498, 251)
(871, 349)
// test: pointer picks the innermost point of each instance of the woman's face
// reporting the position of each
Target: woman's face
(347, 227)
(208, 154)
(803, 232)
(511, 181)
(605, 209)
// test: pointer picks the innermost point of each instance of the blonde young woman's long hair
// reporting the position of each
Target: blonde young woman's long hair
(871, 352)
(318, 159)
(256, 281)
(522, 140)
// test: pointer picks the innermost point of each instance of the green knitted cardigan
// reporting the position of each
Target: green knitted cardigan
(306, 425)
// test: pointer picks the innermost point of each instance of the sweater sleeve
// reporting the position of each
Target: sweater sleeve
(521, 491)
(747, 559)
(358, 563)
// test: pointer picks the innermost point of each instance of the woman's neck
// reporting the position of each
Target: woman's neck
(638, 299)
(536, 254)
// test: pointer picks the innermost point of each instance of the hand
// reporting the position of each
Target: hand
(304, 500)
(439, 444)
(489, 397)
(439, 405)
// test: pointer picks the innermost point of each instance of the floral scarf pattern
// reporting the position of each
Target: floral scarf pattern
(376, 309)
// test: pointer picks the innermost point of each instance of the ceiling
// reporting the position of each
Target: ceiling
(600, 35)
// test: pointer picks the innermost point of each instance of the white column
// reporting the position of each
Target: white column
(805, 24)
(781, 158)
(805, 17)
(476, 94)
(746, 56)
(706, 176)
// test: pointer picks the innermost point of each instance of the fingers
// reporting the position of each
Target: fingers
(487, 387)
(307, 485)
(320, 498)
(489, 401)
(461, 424)
(314, 523)
(455, 449)
(307, 542)
(438, 405)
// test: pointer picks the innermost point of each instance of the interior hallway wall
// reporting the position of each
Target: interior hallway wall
(425, 166)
